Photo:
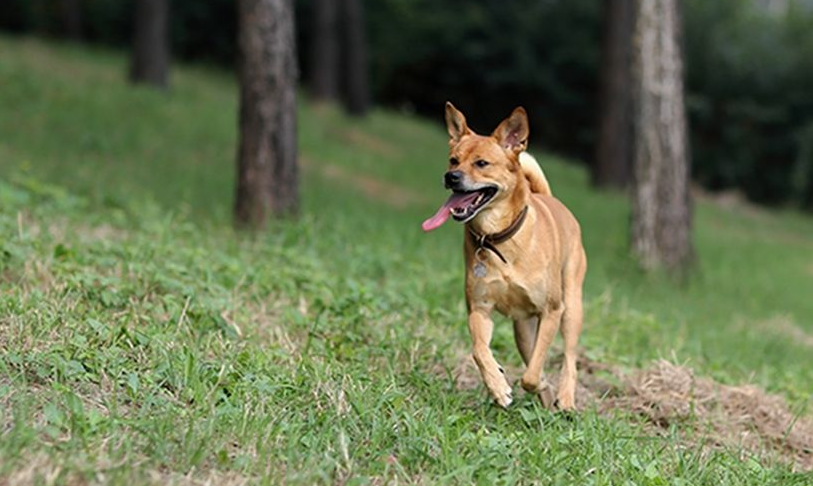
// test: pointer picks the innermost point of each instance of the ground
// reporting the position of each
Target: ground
(144, 341)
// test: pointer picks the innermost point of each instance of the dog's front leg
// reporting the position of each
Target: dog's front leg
(481, 328)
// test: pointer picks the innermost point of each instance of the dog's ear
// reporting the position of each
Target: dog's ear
(455, 123)
(512, 133)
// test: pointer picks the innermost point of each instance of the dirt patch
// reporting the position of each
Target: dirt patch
(733, 416)
(785, 326)
(709, 414)
(728, 199)
(731, 200)
(38, 469)
(367, 141)
(202, 478)
(595, 380)
(61, 229)
(385, 192)
(260, 318)
(41, 469)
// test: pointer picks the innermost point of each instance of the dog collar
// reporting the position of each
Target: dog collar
(489, 241)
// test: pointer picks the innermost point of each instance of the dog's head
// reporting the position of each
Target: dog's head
(483, 171)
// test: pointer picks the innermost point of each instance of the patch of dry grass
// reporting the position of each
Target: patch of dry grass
(706, 412)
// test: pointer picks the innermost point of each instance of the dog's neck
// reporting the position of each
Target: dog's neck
(498, 217)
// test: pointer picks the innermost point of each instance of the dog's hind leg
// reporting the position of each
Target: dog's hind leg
(532, 379)
(525, 336)
(571, 328)
(481, 327)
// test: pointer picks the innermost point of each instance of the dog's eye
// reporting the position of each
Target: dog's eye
(453, 161)
(481, 163)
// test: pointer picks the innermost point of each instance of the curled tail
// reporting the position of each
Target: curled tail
(536, 178)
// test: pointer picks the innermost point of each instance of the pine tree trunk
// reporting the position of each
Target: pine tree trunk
(325, 79)
(150, 55)
(357, 83)
(71, 11)
(662, 214)
(267, 181)
(612, 165)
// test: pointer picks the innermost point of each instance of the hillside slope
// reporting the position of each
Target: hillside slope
(144, 341)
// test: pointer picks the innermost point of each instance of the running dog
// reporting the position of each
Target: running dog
(523, 252)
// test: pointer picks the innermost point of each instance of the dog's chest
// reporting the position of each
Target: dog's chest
(513, 295)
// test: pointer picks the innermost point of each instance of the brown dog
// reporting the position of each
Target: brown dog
(523, 251)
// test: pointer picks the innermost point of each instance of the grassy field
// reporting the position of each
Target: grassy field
(143, 341)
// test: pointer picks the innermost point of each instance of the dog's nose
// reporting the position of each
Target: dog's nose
(453, 178)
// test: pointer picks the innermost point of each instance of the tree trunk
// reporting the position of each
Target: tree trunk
(357, 83)
(71, 11)
(612, 165)
(150, 56)
(325, 51)
(267, 180)
(661, 214)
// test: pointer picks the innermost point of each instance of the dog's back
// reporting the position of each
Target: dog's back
(536, 178)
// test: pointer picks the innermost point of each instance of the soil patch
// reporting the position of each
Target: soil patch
(385, 192)
(708, 414)
(786, 327)
(367, 141)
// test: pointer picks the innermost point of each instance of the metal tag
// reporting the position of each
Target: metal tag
(479, 270)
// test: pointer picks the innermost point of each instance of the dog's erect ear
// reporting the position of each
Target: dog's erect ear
(455, 123)
(512, 133)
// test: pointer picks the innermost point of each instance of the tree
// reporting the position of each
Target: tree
(71, 13)
(612, 164)
(267, 181)
(661, 214)
(150, 55)
(356, 71)
(325, 81)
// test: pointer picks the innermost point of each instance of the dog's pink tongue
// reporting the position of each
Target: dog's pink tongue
(455, 200)
(438, 219)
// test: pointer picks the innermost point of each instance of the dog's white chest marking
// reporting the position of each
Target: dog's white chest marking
(511, 297)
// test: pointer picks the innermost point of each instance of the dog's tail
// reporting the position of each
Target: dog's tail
(536, 178)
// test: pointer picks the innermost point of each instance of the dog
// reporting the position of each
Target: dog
(523, 252)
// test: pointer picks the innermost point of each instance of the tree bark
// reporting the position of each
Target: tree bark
(612, 165)
(357, 84)
(71, 11)
(661, 213)
(325, 80)
(150, 55)
(267, 180)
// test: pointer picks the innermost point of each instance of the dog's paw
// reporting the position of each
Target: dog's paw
(541, 387)
(499, 389)
(566, 398)
(531, 384)
(502, 395)
(565, 402)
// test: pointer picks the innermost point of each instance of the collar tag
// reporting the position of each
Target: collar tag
(488, 242)
(479, 270)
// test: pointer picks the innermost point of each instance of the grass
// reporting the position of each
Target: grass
(145, 342)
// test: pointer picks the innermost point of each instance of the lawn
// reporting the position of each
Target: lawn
(144, 341)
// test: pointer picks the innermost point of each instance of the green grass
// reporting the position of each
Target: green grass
(145, 342)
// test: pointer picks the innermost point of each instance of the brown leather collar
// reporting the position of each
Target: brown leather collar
(489, 241)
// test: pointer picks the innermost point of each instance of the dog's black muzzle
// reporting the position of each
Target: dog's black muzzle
(452, 179)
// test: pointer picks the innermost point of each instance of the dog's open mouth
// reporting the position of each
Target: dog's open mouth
(462, 206)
